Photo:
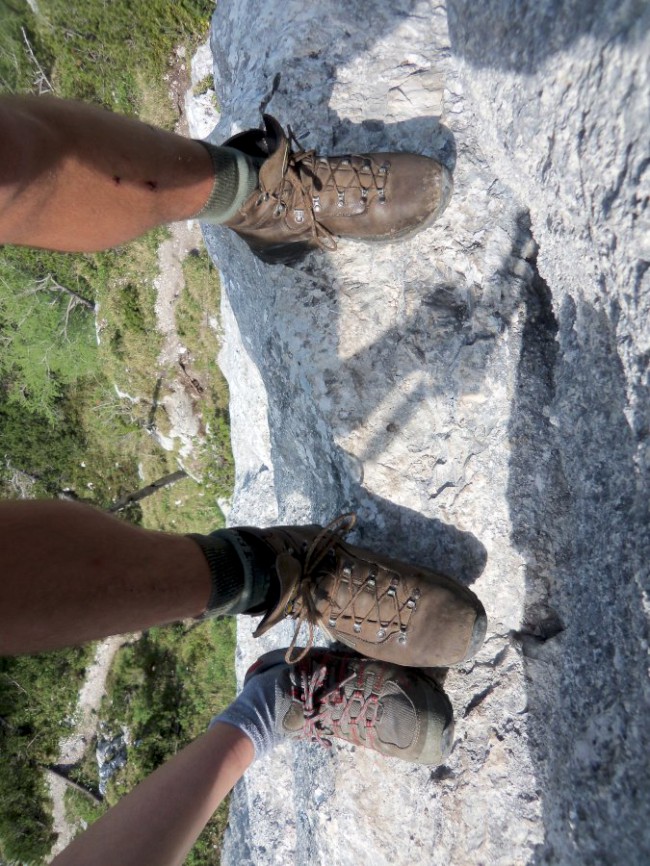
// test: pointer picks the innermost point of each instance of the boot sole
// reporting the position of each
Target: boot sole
(447, 740)
(478, 635)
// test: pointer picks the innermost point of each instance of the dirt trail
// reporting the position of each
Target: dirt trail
(185, 236)
(73, 747)
(184, 419)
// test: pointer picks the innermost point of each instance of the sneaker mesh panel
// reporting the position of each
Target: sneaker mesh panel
(288, 713)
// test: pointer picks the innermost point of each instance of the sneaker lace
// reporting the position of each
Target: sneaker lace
(319, 710)
(293, 193)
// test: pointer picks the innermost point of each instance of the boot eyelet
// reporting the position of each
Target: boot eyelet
(341, 200)
(357, 627)
(381, 633)
(401, 639)
(331, 622)
(346, 571)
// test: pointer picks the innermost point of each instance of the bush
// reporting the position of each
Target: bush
(37, 695)
(47, 333)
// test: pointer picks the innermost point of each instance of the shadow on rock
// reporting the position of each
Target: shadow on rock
(406, 534)
(508, 34)
(579, 517)
(424, 134)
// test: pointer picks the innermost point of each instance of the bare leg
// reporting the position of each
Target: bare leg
(70, 573)
(159, 821)
(74, 177)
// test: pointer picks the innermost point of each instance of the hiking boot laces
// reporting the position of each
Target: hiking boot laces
(303, 604)
(364, 174)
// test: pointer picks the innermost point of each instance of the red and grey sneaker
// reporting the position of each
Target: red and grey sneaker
(382, 608)
(330, 695)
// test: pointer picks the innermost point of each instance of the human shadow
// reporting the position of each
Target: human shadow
(297, 84)
(424, 134)
(443, 344)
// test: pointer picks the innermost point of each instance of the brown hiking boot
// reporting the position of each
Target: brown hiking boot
(382, 608)
(304, 200)
(330, 695)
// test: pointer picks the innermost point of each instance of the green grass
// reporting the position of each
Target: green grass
(110, 53)
(184, 507)
(129, 343)
(80, 811)
(196, 317)
(113, 54)
(17, 71)
(81, 435)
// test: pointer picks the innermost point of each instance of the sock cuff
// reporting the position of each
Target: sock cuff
(245, 555)
(254, 712)
(225, 574)
(235, 178)
(243, 723)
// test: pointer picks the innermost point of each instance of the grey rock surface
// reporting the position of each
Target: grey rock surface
(478, 395)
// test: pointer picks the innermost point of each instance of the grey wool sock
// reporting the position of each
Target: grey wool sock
(226, 574)
(235, 179)
(240, 581)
